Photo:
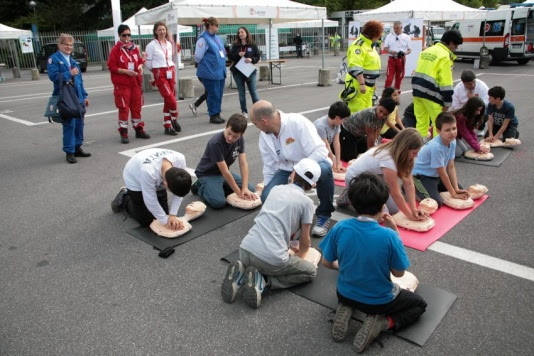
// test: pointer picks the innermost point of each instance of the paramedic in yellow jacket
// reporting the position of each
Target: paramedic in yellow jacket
(432, 81)
(363, 62)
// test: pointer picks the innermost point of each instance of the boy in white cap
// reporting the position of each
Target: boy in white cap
(264, 259)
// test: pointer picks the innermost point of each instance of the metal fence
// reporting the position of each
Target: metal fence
(98, 48)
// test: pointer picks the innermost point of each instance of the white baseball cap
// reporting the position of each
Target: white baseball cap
(308, 165)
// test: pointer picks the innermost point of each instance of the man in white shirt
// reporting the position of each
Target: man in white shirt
(398, 45)
(468, 88)
(284, 141)
(148, 175)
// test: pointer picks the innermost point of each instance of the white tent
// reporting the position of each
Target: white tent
(7, 32)
(134, 29)
(435, 10)
(191, 12)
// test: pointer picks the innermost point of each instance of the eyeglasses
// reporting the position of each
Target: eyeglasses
(126, 35)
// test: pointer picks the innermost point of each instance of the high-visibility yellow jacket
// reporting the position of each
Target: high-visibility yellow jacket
(335, 41)
(362, 58)
(432, 79)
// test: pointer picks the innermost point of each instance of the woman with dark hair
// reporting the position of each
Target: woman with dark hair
(159, 54)
(62, 64)
(363, 62)
(468, 118)
(244, 47)
(125, 64)
(211, 58)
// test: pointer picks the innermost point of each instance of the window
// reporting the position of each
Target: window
(493, 28)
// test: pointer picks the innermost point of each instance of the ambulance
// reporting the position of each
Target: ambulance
(506, 34)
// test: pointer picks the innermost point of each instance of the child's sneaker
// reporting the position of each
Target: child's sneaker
(340, 326)
(117, 203)
(321, 226)
(234, 279)
(371, 328)
(254, 287)
(343, 199)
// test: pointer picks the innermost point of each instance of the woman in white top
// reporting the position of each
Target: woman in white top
(391, 160)
(159, 55)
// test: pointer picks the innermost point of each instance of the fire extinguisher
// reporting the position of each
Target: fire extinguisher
(178, 47)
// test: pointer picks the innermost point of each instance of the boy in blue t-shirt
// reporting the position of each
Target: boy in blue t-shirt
(215, 181)
(501, 116)
(434, 170)
(365, 254)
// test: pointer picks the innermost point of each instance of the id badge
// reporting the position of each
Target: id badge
(169, 74)
(130, 65)
(221, 53)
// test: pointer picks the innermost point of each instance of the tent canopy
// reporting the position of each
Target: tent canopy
(191, 12)
(134, 29)
(7, 32)
(435, 10)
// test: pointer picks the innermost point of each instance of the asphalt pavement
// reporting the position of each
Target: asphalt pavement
(73, 282)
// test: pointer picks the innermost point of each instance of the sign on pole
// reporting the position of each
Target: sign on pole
(26, 44)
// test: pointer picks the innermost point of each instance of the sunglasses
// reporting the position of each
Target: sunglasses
(126, 35)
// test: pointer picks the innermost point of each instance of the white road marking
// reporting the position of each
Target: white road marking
(463, 254)
(20, 121)
(133, 151)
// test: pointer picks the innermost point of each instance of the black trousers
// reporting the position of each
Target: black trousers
(137, 208)
(432, 185)
(351, 146)
(404, 310)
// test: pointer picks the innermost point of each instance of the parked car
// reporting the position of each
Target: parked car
(79, 54)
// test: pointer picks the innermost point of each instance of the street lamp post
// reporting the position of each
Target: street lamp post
(35, 72)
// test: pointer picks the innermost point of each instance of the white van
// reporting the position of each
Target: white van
(506, 33)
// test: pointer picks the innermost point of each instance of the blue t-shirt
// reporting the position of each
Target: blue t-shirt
(218, 150)
(507, 111)
(433, 155)
(365, 252)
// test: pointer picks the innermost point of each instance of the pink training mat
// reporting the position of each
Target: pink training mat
(445, 219)
(341, 183)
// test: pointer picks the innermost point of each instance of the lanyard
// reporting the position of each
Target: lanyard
(127, 55)
(165, 51)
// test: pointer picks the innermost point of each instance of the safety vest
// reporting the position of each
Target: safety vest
(432, 79)
(363, 58)
(335, 41)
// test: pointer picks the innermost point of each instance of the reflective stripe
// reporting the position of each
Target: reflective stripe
(352, 69)
(446, 88)
(123, 124)
(136, 121)
(428, 92)
(371, 72)
(426, 77)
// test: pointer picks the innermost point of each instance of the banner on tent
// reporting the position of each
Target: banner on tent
(414, 29)
(354, 31)
(26, 44)
(256, 11)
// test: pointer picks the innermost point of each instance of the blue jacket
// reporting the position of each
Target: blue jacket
(56, 66)
(212, 65)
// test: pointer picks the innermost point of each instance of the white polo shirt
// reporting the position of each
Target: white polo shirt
(159, 55)
(398, 43)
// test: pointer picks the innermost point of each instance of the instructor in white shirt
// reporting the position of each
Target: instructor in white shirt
(398, 45)
(285, 140)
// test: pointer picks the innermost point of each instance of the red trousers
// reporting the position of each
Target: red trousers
(129, 99)
(167, 89)
(395, 68)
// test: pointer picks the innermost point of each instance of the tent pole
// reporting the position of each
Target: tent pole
(269, 39)
(322, 56)
(322, 43)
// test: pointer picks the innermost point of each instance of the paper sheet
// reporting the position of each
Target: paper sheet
(245, 68)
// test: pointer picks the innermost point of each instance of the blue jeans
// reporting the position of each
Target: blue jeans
(72, 134)
(325, 188)
(240, 81)
(214, 89)
(214, 189)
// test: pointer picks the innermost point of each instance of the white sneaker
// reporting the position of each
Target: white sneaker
(245, 114)
(321, 226)
(193, 109)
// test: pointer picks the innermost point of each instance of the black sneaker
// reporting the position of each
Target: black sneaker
(116, 204)
(170, 131)
(217, 119)
(194, 187)
(140, 133)
(124, 136)
(176, 126)
(71, 159)
(81, 153)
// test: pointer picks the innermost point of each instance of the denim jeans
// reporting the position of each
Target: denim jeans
(240, 81)
(325, 188)
(214, 189)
